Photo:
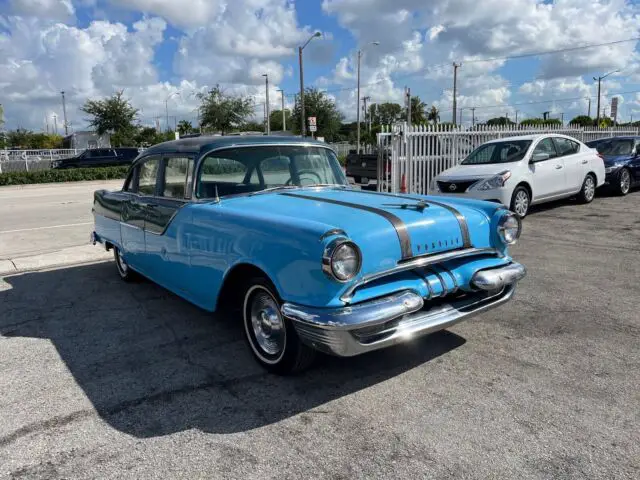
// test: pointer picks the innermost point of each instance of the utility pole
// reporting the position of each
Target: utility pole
(64, 112)
(589, 109)
(266, 86)
(358, 102)
(284, 119)
(408, 96)
(562, 118)
(517, 116)
(455, 90)
(473, 116)
(365, 100)
(55, 124)
(545, 115)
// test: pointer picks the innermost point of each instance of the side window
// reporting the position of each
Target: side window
(177, 174)
(546, 146)
(565, 146)
(147, 176)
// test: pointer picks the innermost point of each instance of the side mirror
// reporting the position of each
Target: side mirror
(539, 157)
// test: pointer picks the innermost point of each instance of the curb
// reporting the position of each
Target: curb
(60, 258)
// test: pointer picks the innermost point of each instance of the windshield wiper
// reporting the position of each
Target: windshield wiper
(327, 185)
(271, 189)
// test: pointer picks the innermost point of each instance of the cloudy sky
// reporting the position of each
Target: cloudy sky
(155, 49)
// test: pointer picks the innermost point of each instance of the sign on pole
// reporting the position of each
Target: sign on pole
(313, 128)
(614, 108)
(312, 121)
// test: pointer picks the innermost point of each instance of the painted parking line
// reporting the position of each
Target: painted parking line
(46, 228)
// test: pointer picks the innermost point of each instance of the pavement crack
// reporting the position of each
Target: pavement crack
(38, 427)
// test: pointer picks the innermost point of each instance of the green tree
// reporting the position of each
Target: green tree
(222, 113)
(582, 121)
(185, 127)
(252, 126)
(418, 111)
(114, 115)
(385, 113)
(328, 118)
(275, 119)
(433, 115)
(500, 121)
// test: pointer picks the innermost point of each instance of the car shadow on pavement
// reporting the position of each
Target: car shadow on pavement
(152, 364)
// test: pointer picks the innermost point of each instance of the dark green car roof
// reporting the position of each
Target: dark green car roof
(205, 143)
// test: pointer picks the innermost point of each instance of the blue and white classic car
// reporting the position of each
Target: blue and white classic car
(270, 226)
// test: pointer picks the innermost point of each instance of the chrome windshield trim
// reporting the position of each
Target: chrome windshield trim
(416, 263)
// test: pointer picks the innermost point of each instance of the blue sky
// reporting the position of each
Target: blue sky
(154, 49)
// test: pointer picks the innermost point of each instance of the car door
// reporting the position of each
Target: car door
(142, 189)
(167, 261)
(547, 170)
(576, 164)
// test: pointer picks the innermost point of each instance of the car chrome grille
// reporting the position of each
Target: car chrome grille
(459, 186)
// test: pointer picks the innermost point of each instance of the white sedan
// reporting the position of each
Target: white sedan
(523, 171)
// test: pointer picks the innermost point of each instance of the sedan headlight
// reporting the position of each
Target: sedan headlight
(342, 260)
(611, 169)
(496, 181)
(509, 228)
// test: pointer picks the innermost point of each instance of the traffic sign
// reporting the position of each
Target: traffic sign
(312, 121)
(313, 128)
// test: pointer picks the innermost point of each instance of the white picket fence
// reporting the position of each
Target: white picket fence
(410, 157)
(30, 160)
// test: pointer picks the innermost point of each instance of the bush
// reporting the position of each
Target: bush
(67, 175)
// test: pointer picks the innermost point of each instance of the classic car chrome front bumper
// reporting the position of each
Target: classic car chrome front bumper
(399, 317)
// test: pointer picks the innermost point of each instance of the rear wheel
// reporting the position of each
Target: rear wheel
(624, 182)
(588, 191)
(124, 270)
(520, 201)
(272, 338)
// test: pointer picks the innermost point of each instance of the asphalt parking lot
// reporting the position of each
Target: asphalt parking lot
(102, 379)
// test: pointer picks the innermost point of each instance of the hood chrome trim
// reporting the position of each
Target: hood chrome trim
(397, 223)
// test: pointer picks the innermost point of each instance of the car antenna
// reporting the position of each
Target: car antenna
(217, 197)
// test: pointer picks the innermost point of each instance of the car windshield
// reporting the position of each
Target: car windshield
(498, 152)
(616, 147)
(253, 169)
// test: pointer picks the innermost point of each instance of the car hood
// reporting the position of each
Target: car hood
(378, 223)
(610, 160)
(474, 171)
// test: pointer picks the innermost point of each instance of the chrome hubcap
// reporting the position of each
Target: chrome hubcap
(267, 323)
(122, 265)
(589, 188)
(522, 203)
(625, 181)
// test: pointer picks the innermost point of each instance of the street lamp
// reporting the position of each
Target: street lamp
(303, 122)
(166, 106)
(268, 123)
(599, 79)
(358, 92)
(284, 120)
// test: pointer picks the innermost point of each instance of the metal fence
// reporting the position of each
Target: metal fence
(410, 157)
(30, 160)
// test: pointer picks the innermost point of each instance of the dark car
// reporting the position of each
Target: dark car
(99, 157)
(362, 168)
(621, 157)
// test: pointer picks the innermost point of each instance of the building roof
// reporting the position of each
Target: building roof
(204, 143)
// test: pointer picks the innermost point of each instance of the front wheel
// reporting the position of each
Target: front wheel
(588, 190)
(272, 338)
(624, 182)
(520, 201)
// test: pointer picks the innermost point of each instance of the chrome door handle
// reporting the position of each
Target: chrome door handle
(585, 161)
(558, 167)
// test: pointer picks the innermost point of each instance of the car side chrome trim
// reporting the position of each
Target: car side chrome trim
(333, 232)
(399, 226)
(416, 263)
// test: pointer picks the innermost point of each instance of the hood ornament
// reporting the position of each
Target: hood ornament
(419, 206)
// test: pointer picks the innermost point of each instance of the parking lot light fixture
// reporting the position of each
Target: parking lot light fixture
(303, 122)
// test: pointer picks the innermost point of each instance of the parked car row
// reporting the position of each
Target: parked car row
(519, 172)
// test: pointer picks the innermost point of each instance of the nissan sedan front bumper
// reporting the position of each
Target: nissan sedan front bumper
(399, 317)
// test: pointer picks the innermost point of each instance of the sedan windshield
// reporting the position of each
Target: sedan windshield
(616, 147)
(498, 152)
(253, 169)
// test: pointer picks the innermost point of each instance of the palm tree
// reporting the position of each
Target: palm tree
(184, 127)
(433, 115)
(418, 108)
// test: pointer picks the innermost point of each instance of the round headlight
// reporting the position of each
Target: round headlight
(509, 228)
(342, 260)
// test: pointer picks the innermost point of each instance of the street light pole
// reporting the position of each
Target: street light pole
(64, 112)
(358, 96)
(284, 118)
(303, 121)
(166, 107)
(266, 86)
(599, 79)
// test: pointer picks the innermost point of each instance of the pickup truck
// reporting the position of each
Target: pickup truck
(363, 168)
